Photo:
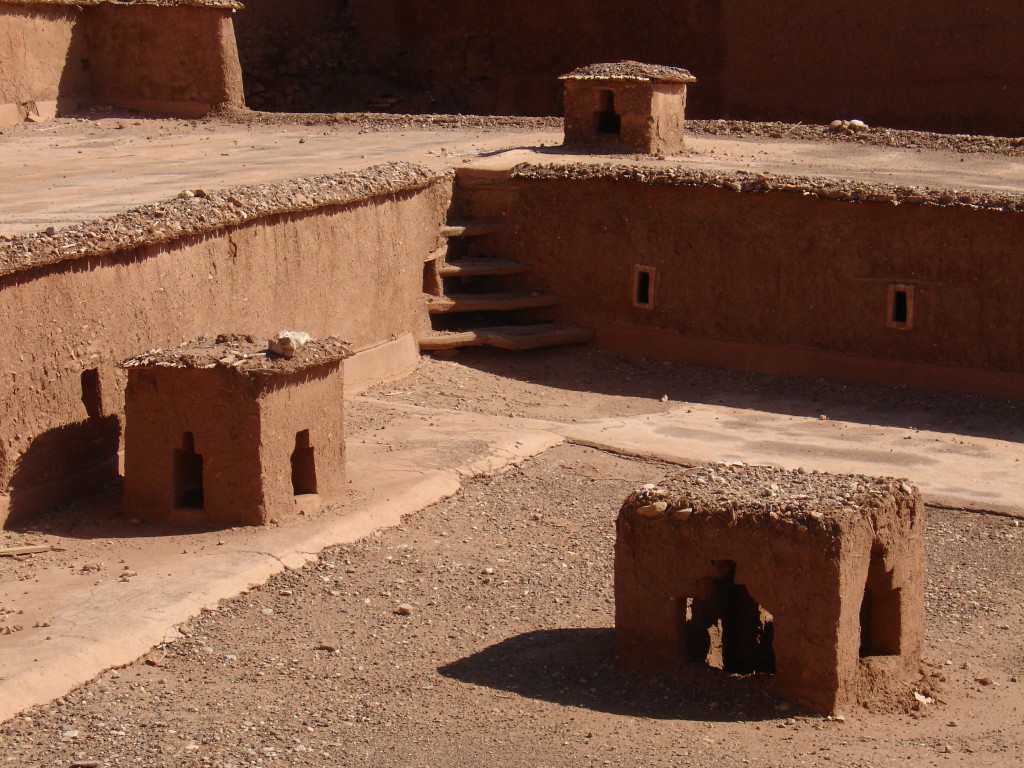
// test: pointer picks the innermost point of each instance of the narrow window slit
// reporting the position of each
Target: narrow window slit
(188, 475)
(303, 465)
(608, 120)
(92, 396)
(643, 287)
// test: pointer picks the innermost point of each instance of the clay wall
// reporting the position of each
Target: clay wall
(943, 65)
(164, 60)
(776, 282)
(354, 272)
(42, 49)
(167, 59)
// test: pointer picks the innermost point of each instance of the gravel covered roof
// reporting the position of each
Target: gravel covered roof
(631, 70)
(246, 354)
(198, 211)
(843, 190)
(738, 493)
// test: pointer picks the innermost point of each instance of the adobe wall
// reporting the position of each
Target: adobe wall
(177, 60)
(782, 282)
(353, 269)
(943, 65)
(172, 57)
(42, 49)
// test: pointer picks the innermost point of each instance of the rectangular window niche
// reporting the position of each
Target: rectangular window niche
(900, 311)
(643, 287)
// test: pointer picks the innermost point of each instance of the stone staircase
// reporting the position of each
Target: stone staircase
(471, 302)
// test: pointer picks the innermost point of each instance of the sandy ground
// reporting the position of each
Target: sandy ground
(505, 654)
(479, 632)
(75, 170)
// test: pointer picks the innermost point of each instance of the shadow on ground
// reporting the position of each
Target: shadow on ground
(575, 667)
(588, 369)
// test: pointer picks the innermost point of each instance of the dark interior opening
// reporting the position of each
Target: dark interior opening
(92, 397)
(188, 475)
(643, 287)
(880, 611)
(431, 280)
(899, 307)
(608, 120)
(727, 629)
(303, 465)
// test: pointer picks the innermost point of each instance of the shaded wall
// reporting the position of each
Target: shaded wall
(943, 65)
(776, 282)
(354, 272)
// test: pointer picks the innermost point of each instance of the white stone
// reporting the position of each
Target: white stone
(286, 343)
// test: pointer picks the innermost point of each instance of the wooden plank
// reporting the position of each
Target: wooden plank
(16, 551)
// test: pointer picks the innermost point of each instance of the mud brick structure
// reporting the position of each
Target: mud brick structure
(816, 579)
(224, 432)
(165, 57)
(626, 107)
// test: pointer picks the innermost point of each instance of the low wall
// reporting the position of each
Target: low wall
(782, 281)
(335, 256)
(169, 57)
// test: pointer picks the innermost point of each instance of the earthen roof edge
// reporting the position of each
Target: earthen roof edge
(844, 190)
(198, 212)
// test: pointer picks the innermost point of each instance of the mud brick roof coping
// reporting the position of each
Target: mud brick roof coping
(243, 354)
(631, 70)
(739, 494)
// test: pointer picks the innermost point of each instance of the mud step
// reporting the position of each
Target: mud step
(478, 266)
(482, 302)
(475, 229)
(516, 338)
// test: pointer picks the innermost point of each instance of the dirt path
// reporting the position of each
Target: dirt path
(480, 633)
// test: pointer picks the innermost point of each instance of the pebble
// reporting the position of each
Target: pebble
(404, 609)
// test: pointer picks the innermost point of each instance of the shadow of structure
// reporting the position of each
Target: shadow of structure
(588, 369)
(575, 667)
(63, 463)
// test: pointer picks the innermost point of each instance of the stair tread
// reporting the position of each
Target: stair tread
(472, 229)
(485, 265)
(501, 300)
(510, 337)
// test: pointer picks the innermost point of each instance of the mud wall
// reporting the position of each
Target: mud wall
(42, 49)
(354, 272)
(943, 65)
(167, 59)
(778, 282)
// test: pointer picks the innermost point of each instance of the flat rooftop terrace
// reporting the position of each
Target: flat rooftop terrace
(76, 170)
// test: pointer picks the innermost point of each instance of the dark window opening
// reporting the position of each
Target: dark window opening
(643, 287)
(901, 306)
(880, 611)
(188, 475)
(608, 120)
(727, 629)
(303, 465)
(92, 397)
